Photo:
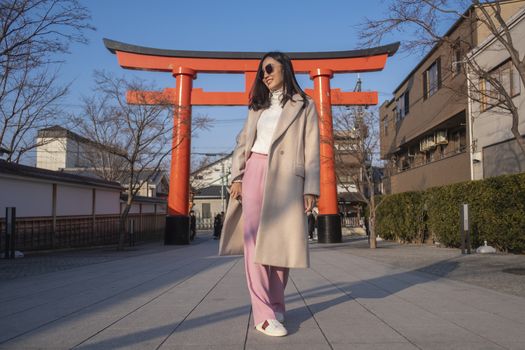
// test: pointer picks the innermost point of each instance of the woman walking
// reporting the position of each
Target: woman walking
(275, 181)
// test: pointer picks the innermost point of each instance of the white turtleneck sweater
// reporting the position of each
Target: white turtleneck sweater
(267, 123)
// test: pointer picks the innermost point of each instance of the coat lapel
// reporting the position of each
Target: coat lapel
(252, 130)
(290, 112)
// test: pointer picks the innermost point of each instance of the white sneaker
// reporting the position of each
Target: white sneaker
(279, 316)
(272, 328)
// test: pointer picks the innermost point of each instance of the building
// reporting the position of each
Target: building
(209, 187)
(424, 128)
(55, 209)
(60, 149)
(495, 150)
(3, 151)
(347, 168)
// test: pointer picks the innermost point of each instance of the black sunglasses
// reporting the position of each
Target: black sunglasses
(268, 69)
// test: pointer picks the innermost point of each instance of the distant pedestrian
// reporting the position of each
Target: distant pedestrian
(217, 226)
(275, 181)
(193, 225)
(311, 225)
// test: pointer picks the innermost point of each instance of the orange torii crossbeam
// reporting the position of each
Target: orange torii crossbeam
(185, 65)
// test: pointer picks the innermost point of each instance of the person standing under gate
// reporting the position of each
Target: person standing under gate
(193, 225)
(274, 182)
(311, 225)
(217, 226)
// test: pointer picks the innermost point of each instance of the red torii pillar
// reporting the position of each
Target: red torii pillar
(184, 65)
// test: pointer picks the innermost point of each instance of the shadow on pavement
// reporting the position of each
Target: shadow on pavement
(375, 288)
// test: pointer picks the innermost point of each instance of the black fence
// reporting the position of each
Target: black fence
(80, 231)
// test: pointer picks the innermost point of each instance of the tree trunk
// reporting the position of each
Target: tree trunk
(122, 222)
(372, 220)
(372, 228)
(515, 131)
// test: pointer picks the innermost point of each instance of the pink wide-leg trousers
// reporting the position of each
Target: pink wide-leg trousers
(265, 283)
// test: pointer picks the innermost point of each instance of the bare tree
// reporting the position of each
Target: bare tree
(34, 34)
(130, 142)
(357, 150)
(426, 21)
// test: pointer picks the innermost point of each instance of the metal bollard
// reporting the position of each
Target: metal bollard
(10, 220)
(465, 229)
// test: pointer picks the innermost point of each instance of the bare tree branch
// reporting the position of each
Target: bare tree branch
(425, 22)
(357, 148)
(130, 142)
(33, 35)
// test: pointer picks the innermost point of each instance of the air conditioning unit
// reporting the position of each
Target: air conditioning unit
(423, 145)
(441, 137)
(427, 143)
(431, 141)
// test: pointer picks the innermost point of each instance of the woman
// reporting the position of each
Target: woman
(275, 181)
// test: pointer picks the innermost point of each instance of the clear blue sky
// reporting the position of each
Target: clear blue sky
(213, 25)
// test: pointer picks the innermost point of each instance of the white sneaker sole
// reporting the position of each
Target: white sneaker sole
(270, 333)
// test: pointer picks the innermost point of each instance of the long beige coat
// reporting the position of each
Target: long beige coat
(293, 170)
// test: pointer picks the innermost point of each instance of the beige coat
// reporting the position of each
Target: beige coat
(293, 170)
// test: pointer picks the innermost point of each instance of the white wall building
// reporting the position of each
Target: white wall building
(209, 186)
(60, 148)
(494, 150)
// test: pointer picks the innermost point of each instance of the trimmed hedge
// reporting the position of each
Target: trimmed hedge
(496, 206)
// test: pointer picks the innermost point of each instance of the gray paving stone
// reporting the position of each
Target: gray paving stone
(374, 346)
(188, 298)
(514, 345)
(458, 345)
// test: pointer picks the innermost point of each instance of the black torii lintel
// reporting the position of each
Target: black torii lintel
(114, 46)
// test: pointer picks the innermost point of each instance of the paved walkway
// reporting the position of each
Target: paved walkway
(185, 297)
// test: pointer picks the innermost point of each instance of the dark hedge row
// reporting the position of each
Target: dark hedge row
(496, 205)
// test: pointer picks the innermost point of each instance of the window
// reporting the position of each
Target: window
(402, 106)
(441, 150)
(508, 76)
(394, 112)
(206, 210)
(400, 109)
(385, 126)
(432, 79)
(456, 61)
(407, 102)
(460, 141)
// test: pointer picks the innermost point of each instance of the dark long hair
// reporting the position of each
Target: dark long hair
(260, 94)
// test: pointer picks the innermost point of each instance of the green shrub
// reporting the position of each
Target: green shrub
(399, 217)
(496, 213)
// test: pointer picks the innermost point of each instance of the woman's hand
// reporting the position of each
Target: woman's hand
(309, 201)
(236, 190)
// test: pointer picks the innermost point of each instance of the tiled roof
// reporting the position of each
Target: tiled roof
(58, 131)
(11, 168)
(210, 191)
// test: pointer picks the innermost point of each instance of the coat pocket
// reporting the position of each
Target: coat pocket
(299, 169)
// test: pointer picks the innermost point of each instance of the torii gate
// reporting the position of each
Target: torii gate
(184, 66)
